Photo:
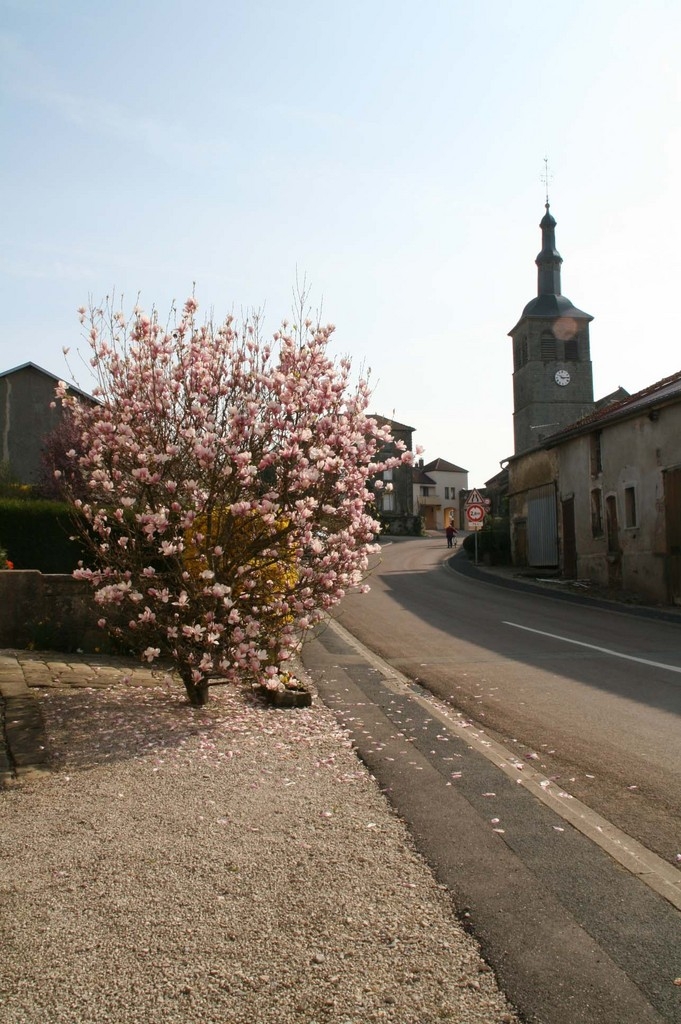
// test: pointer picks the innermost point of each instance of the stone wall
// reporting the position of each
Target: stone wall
(49, 612)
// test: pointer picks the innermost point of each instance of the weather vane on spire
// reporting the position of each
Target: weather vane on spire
(546, 178)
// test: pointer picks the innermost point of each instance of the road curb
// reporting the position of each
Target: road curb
(559, 955)
(25, 735)
(23, 743)
(460, 563)
(656, 873)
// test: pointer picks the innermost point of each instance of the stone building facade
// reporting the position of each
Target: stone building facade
(619, 494)
(601, 498)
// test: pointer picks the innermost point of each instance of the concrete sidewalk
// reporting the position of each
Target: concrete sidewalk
(23, 745)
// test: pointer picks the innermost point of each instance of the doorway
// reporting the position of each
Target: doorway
(569, 539)
(613, 540)
(672, 510)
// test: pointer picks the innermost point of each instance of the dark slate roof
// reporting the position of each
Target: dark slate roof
(614, 396)
(419, 477)
(382, 420)
(499, 479)
(551, 306)
(554, 305)
(442, 466)
(46, 373)
(29, 366)
(661, 393)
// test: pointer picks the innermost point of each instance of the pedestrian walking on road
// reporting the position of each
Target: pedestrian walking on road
(450, 533)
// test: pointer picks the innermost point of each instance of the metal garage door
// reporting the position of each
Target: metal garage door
(542, 531)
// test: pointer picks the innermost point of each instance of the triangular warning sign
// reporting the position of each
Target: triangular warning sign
(474, 497)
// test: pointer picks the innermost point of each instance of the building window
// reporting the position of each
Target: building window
(572, 349)
(388, 502)
(612, 524)
(387, 474)
(630, 507)
(447, 493)
(596, 514)
(596, 454)
(547, 346)
(520, 352)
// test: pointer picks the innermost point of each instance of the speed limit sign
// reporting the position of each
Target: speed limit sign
(475, 514)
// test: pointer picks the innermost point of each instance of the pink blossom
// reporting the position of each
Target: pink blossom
(227, 486)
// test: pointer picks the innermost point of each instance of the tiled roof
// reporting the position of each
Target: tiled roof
(442, 466)
(665, 390)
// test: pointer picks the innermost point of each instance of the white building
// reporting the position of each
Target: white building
(437, 489)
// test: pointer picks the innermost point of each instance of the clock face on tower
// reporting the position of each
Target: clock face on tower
(562, 377)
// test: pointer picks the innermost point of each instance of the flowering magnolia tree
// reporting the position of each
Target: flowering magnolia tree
(226, 481)
(60, 474)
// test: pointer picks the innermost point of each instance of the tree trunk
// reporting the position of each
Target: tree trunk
(196, 692)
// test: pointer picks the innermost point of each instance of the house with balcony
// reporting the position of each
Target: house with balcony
(439, 491)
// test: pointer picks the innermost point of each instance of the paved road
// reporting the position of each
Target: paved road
(595, 693)
(572, 935)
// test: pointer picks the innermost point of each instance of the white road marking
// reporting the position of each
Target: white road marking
(655, 872)
(593, 647)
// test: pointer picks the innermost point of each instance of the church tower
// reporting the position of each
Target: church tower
(552, 376)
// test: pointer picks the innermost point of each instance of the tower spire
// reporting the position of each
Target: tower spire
(552, 379)
(549, 259)
(546, 178)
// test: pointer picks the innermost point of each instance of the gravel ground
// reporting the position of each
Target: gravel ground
(231, 864)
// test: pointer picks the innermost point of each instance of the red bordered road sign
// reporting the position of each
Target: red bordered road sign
(474, 497)
(475, 513)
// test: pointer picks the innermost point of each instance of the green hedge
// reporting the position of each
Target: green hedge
(35, 535)
(494, 542)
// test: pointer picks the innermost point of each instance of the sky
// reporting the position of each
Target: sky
(390, 153)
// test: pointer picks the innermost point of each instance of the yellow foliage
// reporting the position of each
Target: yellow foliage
(275, 576)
